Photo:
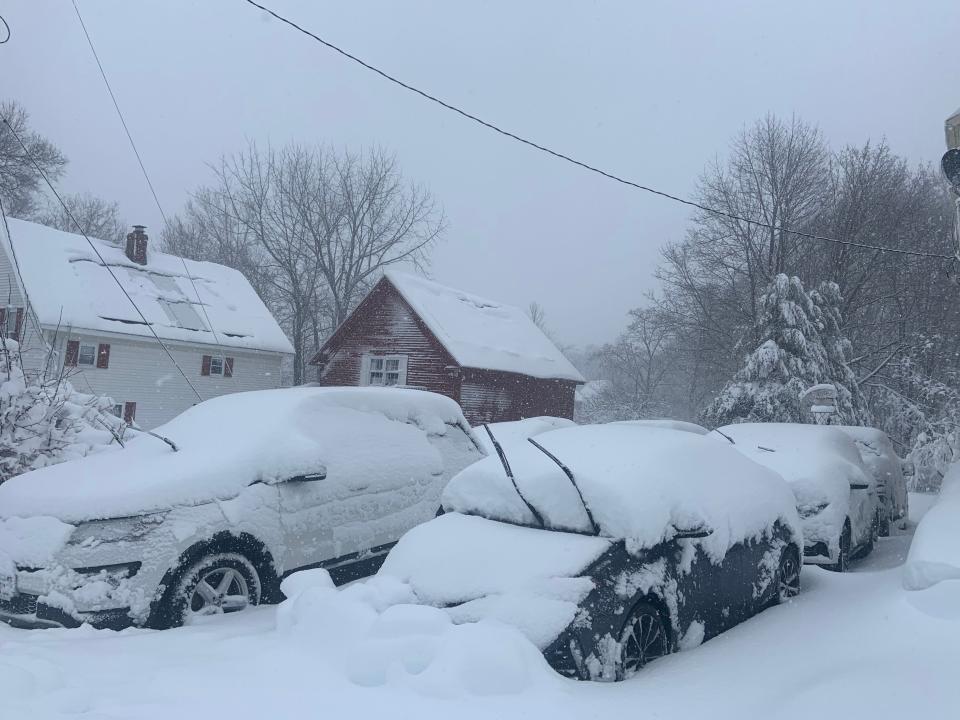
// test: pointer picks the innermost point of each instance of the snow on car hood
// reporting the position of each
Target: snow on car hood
(227, 443)
(819, 463)
(483, 569)
(640, 483)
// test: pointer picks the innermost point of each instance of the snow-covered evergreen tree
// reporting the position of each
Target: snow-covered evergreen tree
(852, 408)
(44, 421)
(790, 359)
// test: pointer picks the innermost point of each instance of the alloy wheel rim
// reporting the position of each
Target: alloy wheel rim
(643, 642)
(789, 581)
(223, 590)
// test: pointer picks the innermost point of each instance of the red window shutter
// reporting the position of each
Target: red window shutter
(205, 365)
(103, 356)
(129, 412)
(19, 329)
(228, 367)
(73, 353)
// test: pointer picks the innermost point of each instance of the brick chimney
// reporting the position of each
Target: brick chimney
(137, 245)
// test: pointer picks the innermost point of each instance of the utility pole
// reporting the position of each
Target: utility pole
(951, 168)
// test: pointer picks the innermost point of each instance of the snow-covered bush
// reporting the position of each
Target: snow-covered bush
(44, 420)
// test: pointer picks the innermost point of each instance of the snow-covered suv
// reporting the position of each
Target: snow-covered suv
(259, 484)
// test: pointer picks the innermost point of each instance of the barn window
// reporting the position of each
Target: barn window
(384, 370)
(87, 354)
(216, 365)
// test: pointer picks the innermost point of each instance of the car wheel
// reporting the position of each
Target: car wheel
(644, 638)
(215, 585)
(788, 577)
(843, 559)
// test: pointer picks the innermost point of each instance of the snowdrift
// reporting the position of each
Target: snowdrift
(935, 551)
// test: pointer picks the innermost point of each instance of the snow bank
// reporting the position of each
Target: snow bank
(227, 443)
(935, 551)
(375, 635)
(508, 433)
(639, 482)
(482, 569)
(482, 333)
(70, 288)
(819, 463)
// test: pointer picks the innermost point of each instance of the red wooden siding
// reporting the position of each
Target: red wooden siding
(385, 324)
(490, 396)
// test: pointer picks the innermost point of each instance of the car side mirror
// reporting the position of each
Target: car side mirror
(859, 486)
(700, 531)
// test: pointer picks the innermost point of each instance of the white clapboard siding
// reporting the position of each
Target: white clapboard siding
(140, 371)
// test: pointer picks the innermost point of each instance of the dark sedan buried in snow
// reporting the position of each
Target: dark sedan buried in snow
(608, 546)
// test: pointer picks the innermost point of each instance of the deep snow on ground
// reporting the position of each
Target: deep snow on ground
(851, 646)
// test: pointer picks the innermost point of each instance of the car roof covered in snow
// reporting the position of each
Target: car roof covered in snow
(229, 442)
(517, 430)
(70, 288)
(483, 334)
(669, 424)
(639, 483)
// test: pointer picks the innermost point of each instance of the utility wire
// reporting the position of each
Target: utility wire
(146, 176)
(586, 166)
(7, 28)
(96, 251)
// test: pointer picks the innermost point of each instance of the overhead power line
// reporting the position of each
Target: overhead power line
(7, 29)
(96, 251)
(587, 166)
(146, 175)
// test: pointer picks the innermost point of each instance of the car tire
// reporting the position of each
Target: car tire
(216, 584)
(843, 558)
(645, 637)
(788, 577)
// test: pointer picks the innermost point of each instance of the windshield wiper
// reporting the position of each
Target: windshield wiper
(168, 441)
(569, 474)
(720, 432)
(509, 472)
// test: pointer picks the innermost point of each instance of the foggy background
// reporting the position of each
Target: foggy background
(651, 91)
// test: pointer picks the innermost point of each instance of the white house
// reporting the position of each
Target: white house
(67, 311)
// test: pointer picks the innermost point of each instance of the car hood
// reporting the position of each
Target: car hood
(484, 569)
(230, 442)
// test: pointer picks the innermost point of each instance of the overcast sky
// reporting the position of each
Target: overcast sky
(649, 90)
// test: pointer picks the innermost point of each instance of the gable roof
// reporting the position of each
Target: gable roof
(69, 287)
(483, 334)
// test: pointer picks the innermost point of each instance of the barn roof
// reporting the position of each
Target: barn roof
(70, 287)
(483, 334)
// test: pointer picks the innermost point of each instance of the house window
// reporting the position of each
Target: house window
(216, 365)
(384, 370)
(87, 355)
(118, 410)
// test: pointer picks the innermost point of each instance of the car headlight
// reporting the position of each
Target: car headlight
(115, 530)
(808, 511)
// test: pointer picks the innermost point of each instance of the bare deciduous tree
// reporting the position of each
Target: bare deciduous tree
(97, 217)
(20, 181)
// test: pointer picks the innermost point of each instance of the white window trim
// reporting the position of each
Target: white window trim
(80, 347)
(365, 369)
(223, 363)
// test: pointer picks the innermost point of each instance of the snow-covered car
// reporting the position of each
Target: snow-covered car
(260, 484)
(835, 493)
(887, 469)
(935, 549)
(607, 545)
(669, 424)
(511, 431)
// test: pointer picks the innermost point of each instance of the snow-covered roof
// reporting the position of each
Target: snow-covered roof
(639, 482)
(69, 287)
(231, 441)
(481, 333)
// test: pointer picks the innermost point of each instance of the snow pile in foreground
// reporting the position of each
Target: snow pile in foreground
(374, 635)
(640, 483)
(935, 550)
(229, 442)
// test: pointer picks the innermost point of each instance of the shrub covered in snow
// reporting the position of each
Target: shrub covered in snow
(44, 420)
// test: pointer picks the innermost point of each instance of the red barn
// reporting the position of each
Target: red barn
(487, 356)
